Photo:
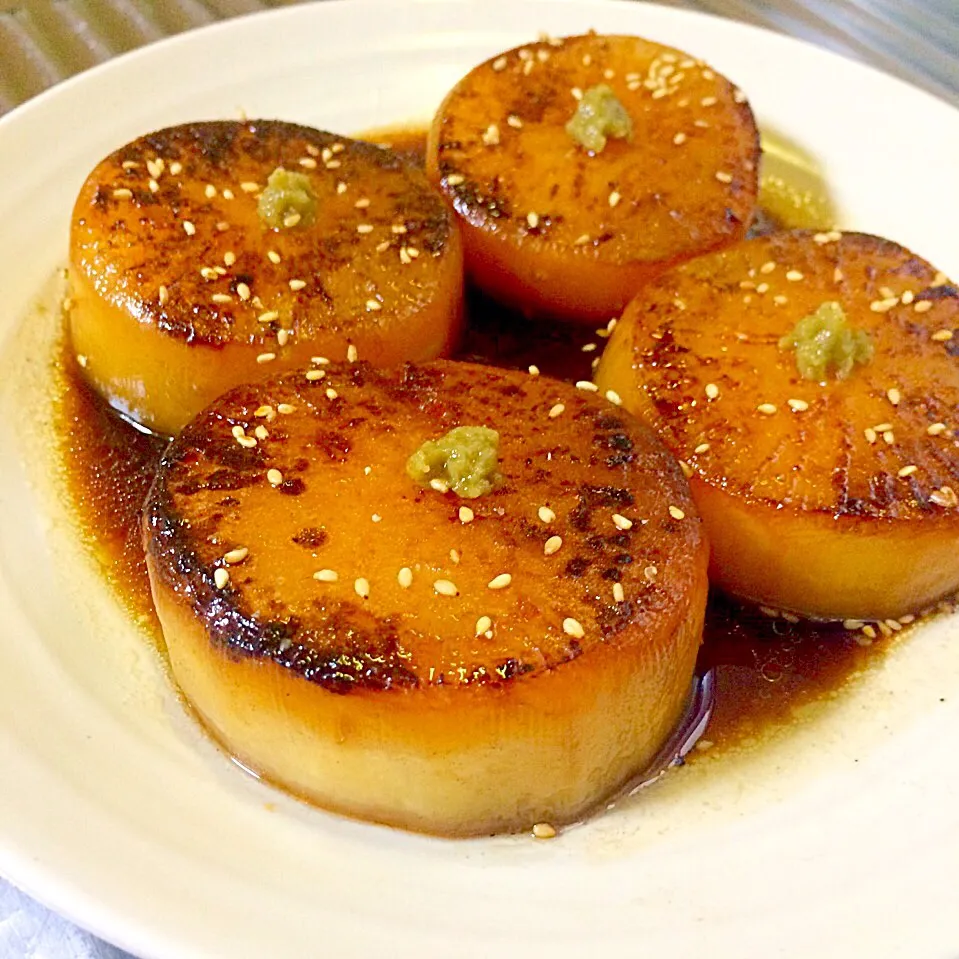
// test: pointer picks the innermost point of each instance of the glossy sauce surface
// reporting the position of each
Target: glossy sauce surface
(765, 668)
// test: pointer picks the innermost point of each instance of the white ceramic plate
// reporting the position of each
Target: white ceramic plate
(839, 839)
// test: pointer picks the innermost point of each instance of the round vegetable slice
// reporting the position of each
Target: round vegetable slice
(581, 168)
(810, 384)
(211, 254)
(358, 632)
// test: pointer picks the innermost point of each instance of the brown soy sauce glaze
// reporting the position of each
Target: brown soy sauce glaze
(765, 668)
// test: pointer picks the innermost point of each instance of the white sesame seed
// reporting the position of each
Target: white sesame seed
(514, 121)
(374, 305)
(163, 294)
(491, 136)
(282, 335)
(331, 394)
(308, 162)
(361, 587)
(894, 396)
(445, 588)
(236, 555)
(261, 432)
(273, 256)
(794, 276)
(341, 188)
(326, 575)
(351, 353)
(619, 594)
(297, 285)
(946, 497)
(724, 177)
(572, 627)
(934, 429)
(708, 101)
(798, 406)
(587, 386)
(362, 203)
(154, 186)
(465, 514)
(532, 219)
(676, 512)
(544, 830)
(907, 471)
(712, 391)
(534, 370)
(768, 267)
(243, 291)
(188, 228)
(499, 64)
(546, 515)
(439, 485)
(319, 360)
(221, 577)
(228, 194)
(500, 581)
(556, 410)
(248, 186)
(274, 477)
(266, 357)
(621, 522)
(552, 545)
(405, 577)
(376, 518)
(702, 448)
(483, 625)
(941, 336)
(767, 409)
(922, 306)
(614, 198)
(679, 139)
(614, 398)
(455, 179)
(364, 228)
(889, 437)
(122, 193)
(82, 360)
(221, 298)
(883, 306)
(285, 408)
(314, 375)
(581, 240)
(651, 572)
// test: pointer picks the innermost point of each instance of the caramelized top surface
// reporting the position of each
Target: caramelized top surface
(687, 180)
(342, 501)
(177, 209)
(880, 443)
